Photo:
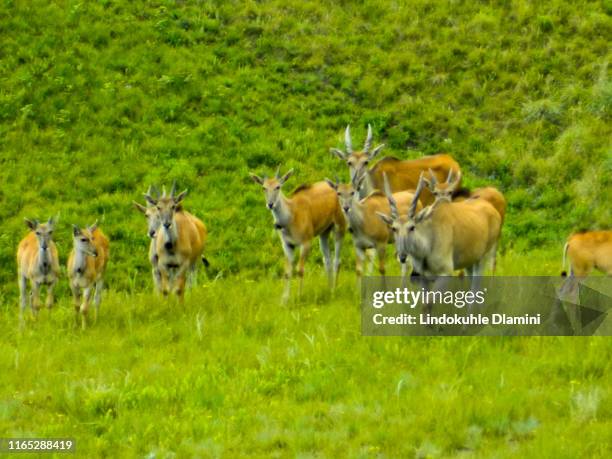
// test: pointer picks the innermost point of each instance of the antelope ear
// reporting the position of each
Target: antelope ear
(150, 200)
(457, 180)
(285, 177)
(385, 218)
(52, 221)
(427, 183)
(180, 197)
(76, 230)
(139, 207)
(32, 224)
(376, 151)
(332, 184)
(339, 153)
(256, 178)
(93, 227)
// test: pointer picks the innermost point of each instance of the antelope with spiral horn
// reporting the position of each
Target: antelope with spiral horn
(310, 211)
(447, 236)
(402, 174)
(179, 242)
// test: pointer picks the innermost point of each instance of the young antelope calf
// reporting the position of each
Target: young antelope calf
(369, 231)
(588, 250)
(311, 211)
(153, 223)
(86, 267)
(38, 262)
(179, 242)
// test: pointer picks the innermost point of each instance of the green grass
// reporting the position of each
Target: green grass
(99, 100)
(233, 373)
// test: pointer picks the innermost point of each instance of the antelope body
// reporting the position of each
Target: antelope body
(369, 231)
(447, 236)
(179, 242)
(445, 192)
(38, 263)
(401, 174)
(588, 250)
(153, 223)
(311, 211)
(86, 268)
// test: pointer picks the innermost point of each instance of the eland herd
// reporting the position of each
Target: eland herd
(437, 226)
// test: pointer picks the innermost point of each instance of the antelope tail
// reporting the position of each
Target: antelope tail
(205, 261)
(565, 247)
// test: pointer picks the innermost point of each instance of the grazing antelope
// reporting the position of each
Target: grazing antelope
(369, 231)
(445, 191)
(446, 236)
(153, 223)
(179, 242)
(402, 175)
(86, 267)
(588, 250)
(311, 211)
(38, 262)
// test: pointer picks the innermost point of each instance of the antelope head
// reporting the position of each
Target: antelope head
(348, 193)
(150, 212)
(272, 187)
(443, 192)
(357, 160)
(403, 228)
(43, 232)
(167, 206)
(83, 239)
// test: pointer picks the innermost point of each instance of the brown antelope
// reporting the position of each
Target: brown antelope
(446, 236)
(588, 250)
(86, 267)
(153, 223)
(38, 262)
(369, 231)
(445, 191)
(402, 175)
(179, 242)
(311, 211)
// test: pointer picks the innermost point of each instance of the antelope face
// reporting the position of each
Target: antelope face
(346, 196)
(272, 187)
(357, 161)
(403, 232)
(358, 165)
(443, 192)
(43, 232)
(83, 241)
(153, 218)
(162, 215)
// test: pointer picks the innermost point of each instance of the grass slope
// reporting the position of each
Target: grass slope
(233, 374)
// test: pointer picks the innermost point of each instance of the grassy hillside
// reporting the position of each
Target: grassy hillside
(233, 375)
(99, 100)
